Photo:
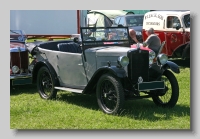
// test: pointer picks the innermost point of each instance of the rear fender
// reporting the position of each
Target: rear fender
(32, 47)
(38, 65)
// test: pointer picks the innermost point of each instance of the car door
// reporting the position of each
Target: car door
(71, 70)
(174, 38)
(186, 22)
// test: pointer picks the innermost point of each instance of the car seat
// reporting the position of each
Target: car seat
(71, 47)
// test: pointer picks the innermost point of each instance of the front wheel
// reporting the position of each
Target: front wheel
(110, 94)
(46, 83)
(170, 94)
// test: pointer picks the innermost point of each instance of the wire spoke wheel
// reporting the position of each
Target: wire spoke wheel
(45, 84)
(170, 94)
(110, 95)
(167, 92)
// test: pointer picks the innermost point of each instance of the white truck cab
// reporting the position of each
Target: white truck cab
(173, 27)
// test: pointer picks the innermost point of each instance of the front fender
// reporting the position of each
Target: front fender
(119, 72)
(38, 65)
(171, 65)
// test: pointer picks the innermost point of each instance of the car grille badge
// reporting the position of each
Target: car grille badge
(140, 79)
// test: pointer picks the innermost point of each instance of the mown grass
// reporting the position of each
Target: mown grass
(78, 111)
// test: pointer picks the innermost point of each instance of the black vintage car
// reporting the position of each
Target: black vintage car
(110, 68)
(132, 21)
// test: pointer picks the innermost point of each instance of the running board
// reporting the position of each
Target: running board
(69, 89)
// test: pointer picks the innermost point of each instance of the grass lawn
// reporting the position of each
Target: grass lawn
(78, 111)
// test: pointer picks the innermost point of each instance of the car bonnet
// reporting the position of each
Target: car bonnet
(113, 51)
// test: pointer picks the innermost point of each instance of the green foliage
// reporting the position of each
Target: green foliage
(78, 111)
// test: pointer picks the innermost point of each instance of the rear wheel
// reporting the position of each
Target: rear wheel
(46, 84)
(170, 94)
(110, 94)
(186, 52)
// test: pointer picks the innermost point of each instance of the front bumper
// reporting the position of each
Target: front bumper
(21, 79)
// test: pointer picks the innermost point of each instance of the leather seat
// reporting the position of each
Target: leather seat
(69, 47)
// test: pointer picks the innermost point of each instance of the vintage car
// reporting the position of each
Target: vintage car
(133, 21)
(173, 27)
(110, 68)
(20, 67)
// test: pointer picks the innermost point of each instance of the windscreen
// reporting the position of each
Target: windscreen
(187, 20)
(101, 36)
(134, 20)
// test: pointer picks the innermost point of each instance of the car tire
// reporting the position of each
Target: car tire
(110, 94)
(46, 84)
(186, 52)
(11, 84)
(169, 97)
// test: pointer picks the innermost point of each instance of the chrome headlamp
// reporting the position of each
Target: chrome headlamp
(152, 55)
(123, 61)
(15, 69)
(162, 59)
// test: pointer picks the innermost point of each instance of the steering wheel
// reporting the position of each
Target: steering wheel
(92, 38)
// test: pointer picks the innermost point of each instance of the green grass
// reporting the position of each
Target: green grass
(78, 111)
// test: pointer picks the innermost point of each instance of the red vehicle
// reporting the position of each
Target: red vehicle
(173, 27)
(20, 67)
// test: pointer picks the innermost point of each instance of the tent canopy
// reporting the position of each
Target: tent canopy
(111, 13)
(137, 11)
(104, 18)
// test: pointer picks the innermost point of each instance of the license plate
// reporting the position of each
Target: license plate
(22, 81)
(151, 85)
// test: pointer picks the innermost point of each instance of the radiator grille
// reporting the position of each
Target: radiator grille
(15, 60)
(138, 65)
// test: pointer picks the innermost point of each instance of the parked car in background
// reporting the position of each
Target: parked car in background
(20, 67)
(132, 21)
(108, 67)
(173, 27)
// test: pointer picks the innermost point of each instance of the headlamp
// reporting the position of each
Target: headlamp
(162, 59)
(123, 61)
(15, 69)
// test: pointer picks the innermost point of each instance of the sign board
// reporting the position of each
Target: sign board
(46, 22)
